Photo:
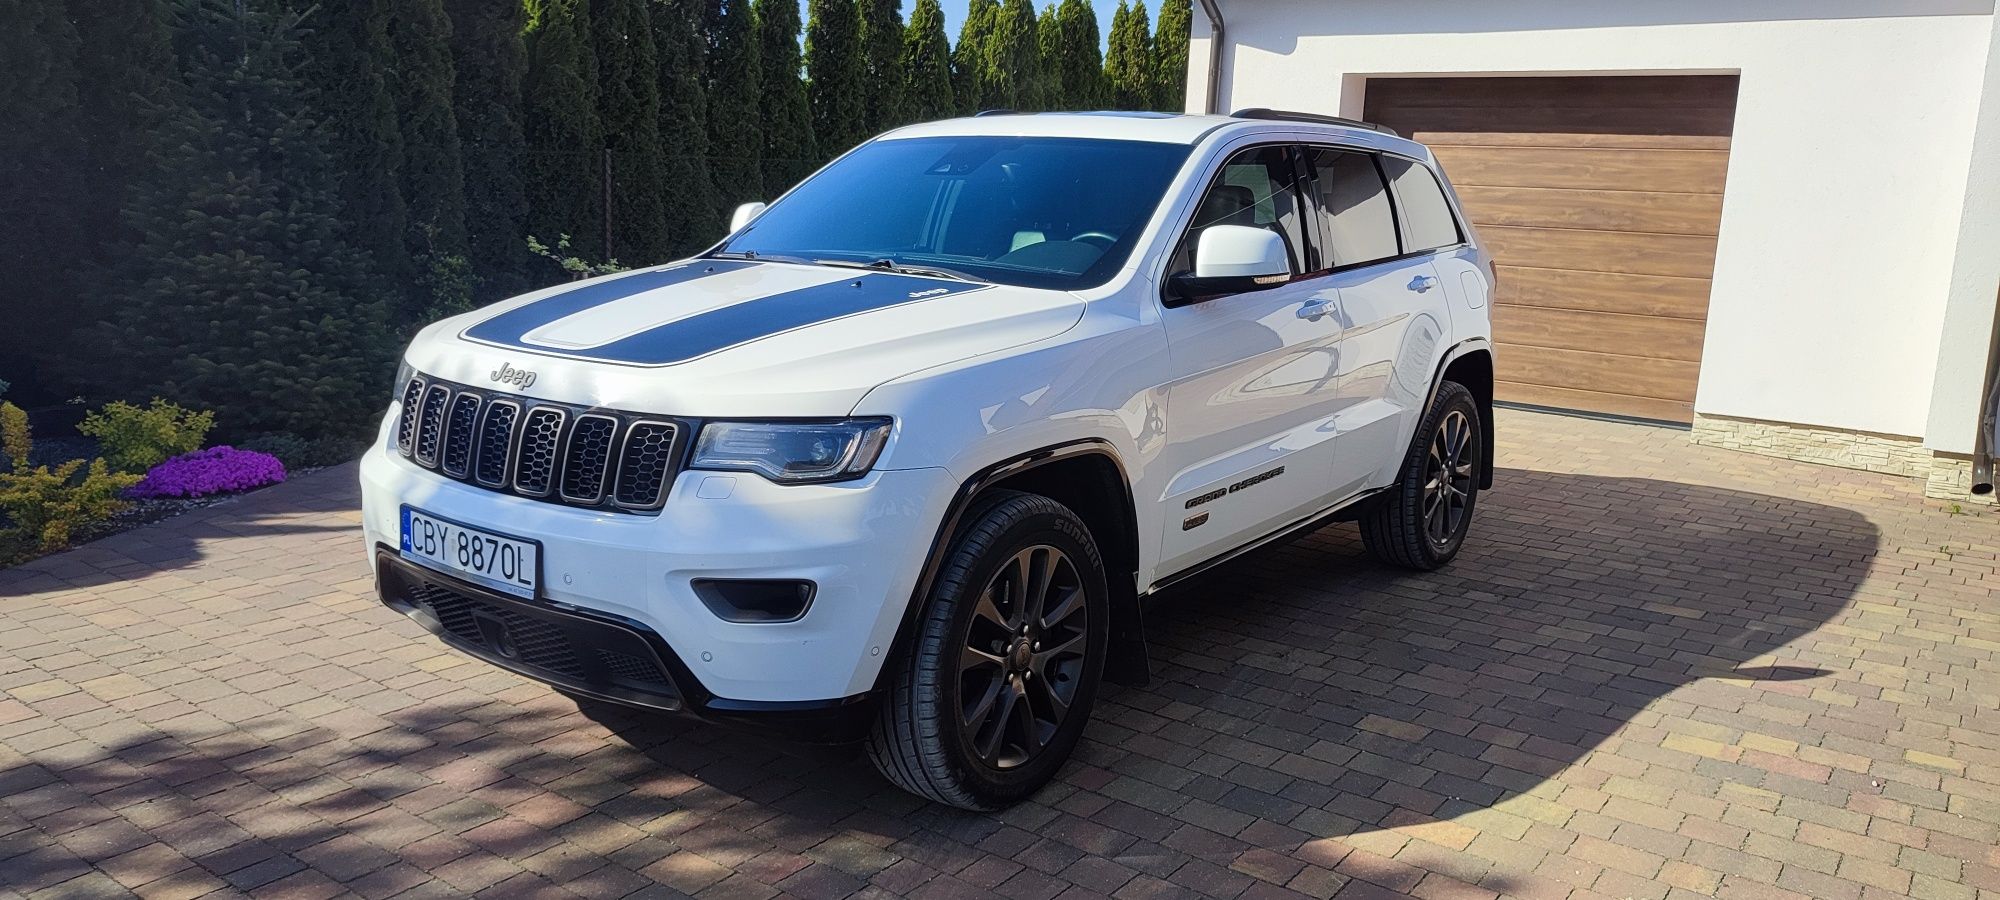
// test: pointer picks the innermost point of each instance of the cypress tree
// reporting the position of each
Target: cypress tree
(789, 149)
(1082, 63)
(124, 86)
(1048, 36)
(833, 74)
(881, 34)
(565, 140)
(247, 297)
(735, 121)
(39, 144)
(971, 81)
(926, 65)
(433, 178)
(1015, 57)
(679, 38)
(628, 105)
(1170, 55)
(490, 62)
(1128, 64)
(347, 58)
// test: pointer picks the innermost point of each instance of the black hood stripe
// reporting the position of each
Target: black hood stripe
(717, 329)
(507, 328)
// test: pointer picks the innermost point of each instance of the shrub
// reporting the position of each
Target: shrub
(15, 439)
(48, 506)
(299, 453)
(136, 438)
(216, 470)
(577, 267)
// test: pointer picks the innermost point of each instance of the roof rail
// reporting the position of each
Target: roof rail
(994, 112)
(1258, 112)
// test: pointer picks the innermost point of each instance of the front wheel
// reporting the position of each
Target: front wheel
(997, 687)
(1420, 522)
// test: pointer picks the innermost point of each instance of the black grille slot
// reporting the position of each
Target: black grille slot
(632, 668)
(430, 425)
(643, 464)
(587, 457)
(541, 437)
(496, 437)
(459, 419)
(406, 430)
(525, 639)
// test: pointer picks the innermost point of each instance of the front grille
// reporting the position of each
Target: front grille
(430, 425)
(577, 456)
(535, 465)
(587, 458)
(643, 464)
(458, 420)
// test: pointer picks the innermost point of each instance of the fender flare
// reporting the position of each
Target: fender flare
(1452, 354)
(1127, 634)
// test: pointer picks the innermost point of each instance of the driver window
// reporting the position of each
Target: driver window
(1256, 188)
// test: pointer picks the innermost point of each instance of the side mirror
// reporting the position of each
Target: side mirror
(743, 215)
(1234, 259)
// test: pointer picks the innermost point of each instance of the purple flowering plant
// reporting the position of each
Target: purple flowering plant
(217, 470)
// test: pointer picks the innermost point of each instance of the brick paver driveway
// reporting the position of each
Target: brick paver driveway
(1658, 670)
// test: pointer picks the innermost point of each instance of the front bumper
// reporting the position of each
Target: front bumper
(862, 543)
(596, 655)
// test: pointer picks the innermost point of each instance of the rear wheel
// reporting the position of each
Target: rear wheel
(1421, 522)
(999, 683)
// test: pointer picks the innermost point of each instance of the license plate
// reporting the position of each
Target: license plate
(508, 564)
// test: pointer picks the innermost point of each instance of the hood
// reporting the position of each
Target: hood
(712, 337)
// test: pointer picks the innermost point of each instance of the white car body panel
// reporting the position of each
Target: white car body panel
(1192, 399)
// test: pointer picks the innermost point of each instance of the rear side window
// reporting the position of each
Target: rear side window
(1427, 220)
(1354, 209)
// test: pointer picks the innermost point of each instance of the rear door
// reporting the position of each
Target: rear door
(1250, 409)
(1392, 310)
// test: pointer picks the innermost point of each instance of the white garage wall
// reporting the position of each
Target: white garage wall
(1846, 177)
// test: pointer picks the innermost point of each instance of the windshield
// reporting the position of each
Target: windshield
(1058, 213)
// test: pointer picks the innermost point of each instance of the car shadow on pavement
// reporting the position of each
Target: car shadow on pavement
(1301, 694)
(1312, 686)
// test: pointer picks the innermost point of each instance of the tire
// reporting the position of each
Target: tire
(1405, 527)
(942, 733)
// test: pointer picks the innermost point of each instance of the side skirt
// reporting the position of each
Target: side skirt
(1335, 513)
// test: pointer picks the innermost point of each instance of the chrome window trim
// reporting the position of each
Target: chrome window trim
(674, 435)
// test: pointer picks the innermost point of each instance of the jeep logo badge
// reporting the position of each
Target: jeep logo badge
(507, 374)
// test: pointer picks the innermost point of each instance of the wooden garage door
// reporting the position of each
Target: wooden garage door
(1599, 198)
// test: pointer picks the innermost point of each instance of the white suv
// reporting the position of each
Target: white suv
(900, 460)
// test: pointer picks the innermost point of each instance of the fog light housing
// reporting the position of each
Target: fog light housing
(758, 601)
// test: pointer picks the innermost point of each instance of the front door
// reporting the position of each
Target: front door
(1249, 431)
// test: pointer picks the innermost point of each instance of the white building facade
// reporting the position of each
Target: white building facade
(1777, 221)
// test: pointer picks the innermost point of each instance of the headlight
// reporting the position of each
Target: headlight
(793, 452)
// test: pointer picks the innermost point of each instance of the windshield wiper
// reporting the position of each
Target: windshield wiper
(890, 265)
(752, 254)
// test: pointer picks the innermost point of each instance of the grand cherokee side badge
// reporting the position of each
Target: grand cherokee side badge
(507, 374)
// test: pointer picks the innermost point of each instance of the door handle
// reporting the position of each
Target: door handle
(1315, 310)
(1423, 283)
